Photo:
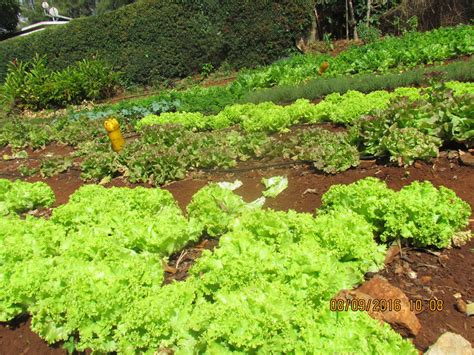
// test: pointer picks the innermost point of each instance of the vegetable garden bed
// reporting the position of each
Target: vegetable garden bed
(304, 195)
(173, 262)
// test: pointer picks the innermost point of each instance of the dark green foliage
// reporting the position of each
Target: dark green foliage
(153, 40)
(368, 34)
(9, 10)
(258, 32)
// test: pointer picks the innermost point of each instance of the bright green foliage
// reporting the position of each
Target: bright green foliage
(425, 215)
(140, 219)
(461, 88)
(405, 145)
(267, 116)
(27, 249)
(91, 283)
(92, 274)
(265, 289)
(19, 196)
(409, 50)
(368, 197)
(214, 208)
(350, 237)
(274, 185)
(77, 272)
(350, 106)
(191, 120)
(420, 213)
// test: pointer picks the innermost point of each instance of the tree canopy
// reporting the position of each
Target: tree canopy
(9, 10)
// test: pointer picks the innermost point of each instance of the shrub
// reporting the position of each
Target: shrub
(32, 85)
(367, 34)
(153, 40)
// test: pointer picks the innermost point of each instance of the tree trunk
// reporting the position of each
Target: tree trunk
(369, 4)
(353, 21)
(347, 21)
(316, 26)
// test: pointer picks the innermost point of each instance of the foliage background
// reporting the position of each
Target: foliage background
(151, 40)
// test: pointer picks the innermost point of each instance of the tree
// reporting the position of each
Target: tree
(9, 10)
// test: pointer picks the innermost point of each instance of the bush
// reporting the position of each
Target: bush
(33, 85)
(367, 34)
(153, 40)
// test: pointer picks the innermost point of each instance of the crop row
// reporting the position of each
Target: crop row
(270, 117)
(405, 131)
(412, 126)
(92, 274)
(409, 50)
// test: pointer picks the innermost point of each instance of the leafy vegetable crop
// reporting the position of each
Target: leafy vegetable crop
(419, 213)
(410, 130)
(267, 116)
(19, 196)
(92, 276)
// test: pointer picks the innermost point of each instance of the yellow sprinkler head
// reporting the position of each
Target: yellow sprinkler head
(113, 130)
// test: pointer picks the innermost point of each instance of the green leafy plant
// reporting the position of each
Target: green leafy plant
(419, 213)
(425, 215)
(368, 34)
(92, 274)
(328, 42)
(404, 145)
(54, 165)
(206, 70)
(32, 85)
(19, 196)
(328, 151)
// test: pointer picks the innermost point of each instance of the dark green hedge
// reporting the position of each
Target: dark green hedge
(156, 39)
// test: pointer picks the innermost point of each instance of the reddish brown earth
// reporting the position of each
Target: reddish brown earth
(439, 276)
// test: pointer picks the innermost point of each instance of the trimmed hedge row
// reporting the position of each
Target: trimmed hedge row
(157, 39)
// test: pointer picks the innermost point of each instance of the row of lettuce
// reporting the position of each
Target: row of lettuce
(403, 125)
(267, 116)
(92, 275)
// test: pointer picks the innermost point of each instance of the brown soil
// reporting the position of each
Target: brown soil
(438, 276)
